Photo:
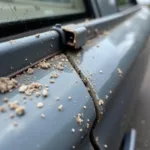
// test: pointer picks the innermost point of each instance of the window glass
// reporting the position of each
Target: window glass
(122, 2)
(12, 10)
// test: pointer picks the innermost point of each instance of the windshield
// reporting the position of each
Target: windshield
(16, 10)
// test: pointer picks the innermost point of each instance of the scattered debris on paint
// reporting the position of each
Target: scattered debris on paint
(12, 116)
(44, 65)
(6, 100)
(84, 107)
(73, 147)
(73, 130)
(40, 105)
(45, 93)
(100, 102)
(79, 119)
(2, 109)
(100, 71)
(87, 125)
(20, 110)
(119, 71)
(30, 89)
(13, 105)
(105, 146)
(15, 124)
(52, 81)
(69, 97)
(30, 71)
(37, 94)
(7, 84)
(60, 107)
(42, 115)
(37, 35)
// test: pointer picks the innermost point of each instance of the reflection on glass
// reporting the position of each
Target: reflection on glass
(12, 10)
(123, 2)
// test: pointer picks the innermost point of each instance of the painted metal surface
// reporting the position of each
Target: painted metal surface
(100, 59)
(103, 64)
(121, 113)
(85, 144)
(58, 130)
(25, 51)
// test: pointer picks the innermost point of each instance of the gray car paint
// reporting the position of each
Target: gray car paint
(118, 49)
(54, 132)
(118, 118)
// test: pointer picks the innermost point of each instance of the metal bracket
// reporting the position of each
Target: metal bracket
(75, 36)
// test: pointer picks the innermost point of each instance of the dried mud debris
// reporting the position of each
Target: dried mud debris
(42, 115)
(44, 65)
(30, 89)
(6, 100)
(30, 71)
(20, 110)
(60, 107)
(15, 124)
(2, 109)
(45, 93)
(7, 84)
(119, 71)
(100, 102)
(79, 120)
(37, 35)
(40, 105)
(13, 105)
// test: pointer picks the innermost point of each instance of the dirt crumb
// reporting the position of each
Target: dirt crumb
(54, 75)
(37, 35)
(30, 89)
(44, 65)
(20, 110)
(6, 99)
(84, 107)
(100, 102)
(12, 105)
(52, 81)
(119, 71)
(23, 88)
(73, 130)
(45, 93)
(37, 94)
(100, 71)
(40, 105)
(12, 116)
(106, 96)
(60, 107)
(105, 32)
(15, 124)
(79, 119)
(81, 130)
(2, 109)
(42, 115)
(6, 84)
(46, 85)
(87, 125)
(30, 71)
(105, 146)
(73, 147)
(60, 66)
(69, 97)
